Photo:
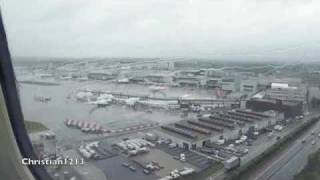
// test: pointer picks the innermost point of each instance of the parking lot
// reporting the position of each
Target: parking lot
(114, 169)
(196, 160)
(163, 159)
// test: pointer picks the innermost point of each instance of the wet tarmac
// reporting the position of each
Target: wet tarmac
(53, 113)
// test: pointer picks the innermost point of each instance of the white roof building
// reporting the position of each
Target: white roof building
(282, 86)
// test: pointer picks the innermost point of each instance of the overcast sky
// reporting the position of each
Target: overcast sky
(163, 28)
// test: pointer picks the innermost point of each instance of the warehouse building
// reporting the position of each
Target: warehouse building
(158, 78)
(290, 109)
(249, 86)
(283, 91)
(213, 83)
(194, 133)
(187, 81)
(101, 75)
(229, 85)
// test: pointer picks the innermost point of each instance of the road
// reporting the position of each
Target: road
(296, 163)
(282, 169)
(290, 161)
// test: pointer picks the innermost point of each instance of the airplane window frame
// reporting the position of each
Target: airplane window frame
(11, 96)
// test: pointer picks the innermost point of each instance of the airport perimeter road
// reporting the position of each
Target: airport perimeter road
(285, 165)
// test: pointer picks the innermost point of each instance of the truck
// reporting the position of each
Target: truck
(231, 163)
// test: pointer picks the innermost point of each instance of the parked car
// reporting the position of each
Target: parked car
(132, 168)
(146, 171)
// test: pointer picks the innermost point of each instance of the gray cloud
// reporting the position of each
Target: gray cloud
(144, 28)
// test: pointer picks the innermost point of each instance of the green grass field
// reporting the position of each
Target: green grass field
(32, 126)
